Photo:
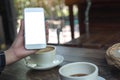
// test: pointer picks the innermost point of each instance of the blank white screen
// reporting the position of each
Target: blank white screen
(34, 28)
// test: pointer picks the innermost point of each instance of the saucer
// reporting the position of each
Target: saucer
(58, 60)
(100, 78)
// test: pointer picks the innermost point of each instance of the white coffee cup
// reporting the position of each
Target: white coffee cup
(44, 57)
(79, 71)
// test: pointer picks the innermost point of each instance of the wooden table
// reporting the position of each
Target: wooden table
(19, 71)
(96, 40)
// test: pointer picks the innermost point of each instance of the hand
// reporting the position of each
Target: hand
(17, 50)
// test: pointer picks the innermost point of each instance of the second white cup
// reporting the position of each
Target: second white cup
(79, 71)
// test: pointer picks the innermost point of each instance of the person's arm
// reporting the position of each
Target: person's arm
(17, 50)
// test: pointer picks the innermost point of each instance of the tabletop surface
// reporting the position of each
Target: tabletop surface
(18, 70)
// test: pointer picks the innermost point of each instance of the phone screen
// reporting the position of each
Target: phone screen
(34, 27)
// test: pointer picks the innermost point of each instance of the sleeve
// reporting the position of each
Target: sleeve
(2, 61)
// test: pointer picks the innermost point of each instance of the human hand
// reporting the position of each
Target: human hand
(17, 51)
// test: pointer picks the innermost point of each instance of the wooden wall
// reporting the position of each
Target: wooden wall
(9, 20)
(105, 16)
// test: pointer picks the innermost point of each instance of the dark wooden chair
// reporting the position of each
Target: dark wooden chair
(104, 23)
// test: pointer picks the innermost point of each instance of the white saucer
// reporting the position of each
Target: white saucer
(100, 78)
(58, 60)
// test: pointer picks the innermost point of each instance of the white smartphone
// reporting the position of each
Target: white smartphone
(34, 32)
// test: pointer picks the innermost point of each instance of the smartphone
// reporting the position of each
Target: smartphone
(34, 32)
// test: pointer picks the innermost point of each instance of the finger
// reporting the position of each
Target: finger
(47, 31)
(21, 31)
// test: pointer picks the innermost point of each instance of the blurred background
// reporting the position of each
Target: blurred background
(78, 23)
(56, 14)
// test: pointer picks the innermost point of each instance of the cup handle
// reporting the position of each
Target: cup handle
(26, 60)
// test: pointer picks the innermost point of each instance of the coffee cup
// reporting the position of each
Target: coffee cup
(44, 57)
(79, 71)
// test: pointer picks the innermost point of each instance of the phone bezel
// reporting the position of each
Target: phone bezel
(33, 46)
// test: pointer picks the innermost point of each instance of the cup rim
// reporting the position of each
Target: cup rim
(47, 51)
(96, 69)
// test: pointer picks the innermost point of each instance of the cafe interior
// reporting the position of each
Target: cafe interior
(81, 31)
